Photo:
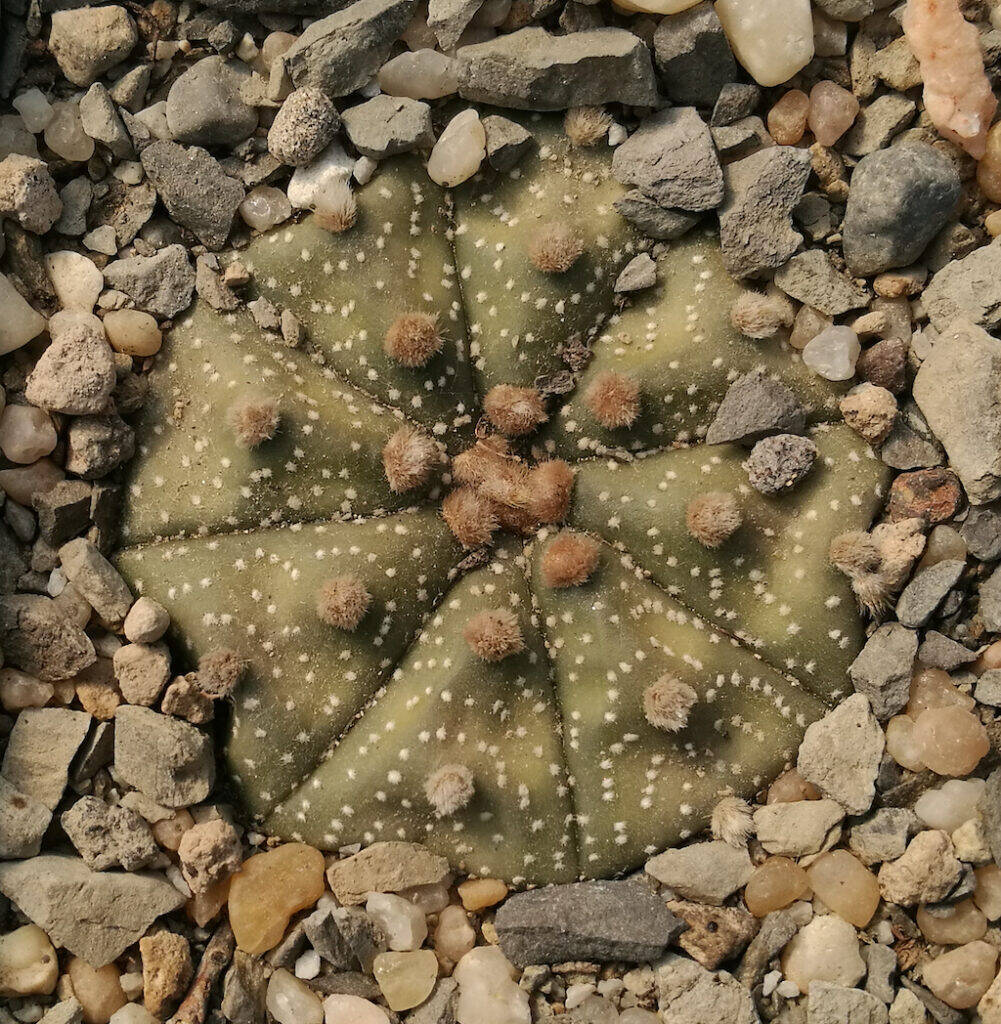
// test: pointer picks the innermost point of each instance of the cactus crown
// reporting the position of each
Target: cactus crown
(511, 648)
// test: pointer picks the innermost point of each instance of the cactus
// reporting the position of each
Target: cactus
(563, 701)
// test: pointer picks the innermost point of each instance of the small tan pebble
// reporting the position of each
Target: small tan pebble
(166, 959)
(956, 924)
(28, 963)
(787, 118)
(960, 977)
(789, 787)
(146, 622)
(992, 223)
(204, 907)
(870, 411)
(133, 332)
(184, 699)
(775, 883)
(925, 873)
(168, 831)
(209, 852)
(142, 671)
(480, 893)
(846, 886)
(987, 895)
(454, 936)
(807, 325)
(98, 991)
(895, 284)
(97, 690)
(18, 690)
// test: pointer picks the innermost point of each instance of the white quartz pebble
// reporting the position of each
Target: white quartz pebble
(35, 110)
(488, 993)
(307, 182)
(773, 39)
(459, 151)
(132, 1013)
(19, 323)
(352, 1010)
(26, 433)
(76, 280)
(948, 806)
(833, 353)
(420, 74)
(402, 922)
(290, 1001)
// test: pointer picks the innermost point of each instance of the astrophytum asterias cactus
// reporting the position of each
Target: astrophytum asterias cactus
(572, 696)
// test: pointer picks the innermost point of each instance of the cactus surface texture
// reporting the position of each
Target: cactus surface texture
(580, 690)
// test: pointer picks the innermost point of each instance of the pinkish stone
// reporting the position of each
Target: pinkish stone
(832, 112)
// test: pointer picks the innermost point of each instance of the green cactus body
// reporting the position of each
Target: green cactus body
(527, 749)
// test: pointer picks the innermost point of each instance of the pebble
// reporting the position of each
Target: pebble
(87, 43)
(832, 112)
(845, 886)
(689, 994)
(132, 332)
(290, 1001)
(882, 670)
(833, 353)
(837, 1004)
(775, 883)
(796, 829)
(385, 867)
(459, 151)
(826, 949)
(161, 284)
(987, 894)
(205, 105)
(76, 280)
(406, 979)
(488, 993)
(28, 193)
(34, 108)
(925, 873)
(753, 407)
(132, 1013)
(954, 925)
(347, 1009)
(772, 39)
(332, 165)
(780, 462)
(65, 134)
(167, 971)
(951, 804)
(704, 872)
(28, 963)
(98, 990)
(146, 621)
(454, 936)
(26, 433)
(265, 206)
(209, 852)
(303, 127)
(960, 977)
(788, 116)
(951, 741)
(402, 922)
(420, 75)
(20, 323)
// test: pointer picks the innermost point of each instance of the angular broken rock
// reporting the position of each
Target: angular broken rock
(107, 836)
(798, 828)
(693, 56)
(97, 579)
(585, 921)
(714, 934)
(386, 125)
(927, 590)
(963, 371)
(96, 915)
(753, 407)
(41, 747)
(990, 601)
(837, 1004)
(448, 19)
(531, 69)
(689, 994)
(812, 279)
(384, 867)
(990, 812)
(74, 375)
(161, 284)
(40, 640)
(672, 159)
(883, 835)
(883, 668)
(704, 872)
(967, 289)
(507, 141)
(639, 273)
(925, 873)
(23, 822)
(653, 219)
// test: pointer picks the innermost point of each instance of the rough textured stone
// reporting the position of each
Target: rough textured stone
(878, 123)
(102, 122)
(63, 511)
(306, 123)
(776, 930)
(106, 836)
(934, 495)
(161, 284)
(97, 579)
(244, 990)
(780, 462)
(639, 273)
(798, 828)
(982, 533)
(762, 190)
(23, 821)
(534, 70)
(448, 19)
(963, 370)
(689, 994)
(507, 141)
(69, 1011)
(386, 125)
(653, 219)
(883, 835)
(384, 867)
(95, 445)
(967, 289)
(88, 42)
(585, 921)
(714, 934)
(990, 812)
(835, 1004)
(693, 56)
(812, 278)
(925, 873)
(927, 590)
(938, 651)
(736, 101)
(320, 928)
(28, 193)
(704, 872)
(881, 966)
(899, 200)
(39, 640)
(42, 744)
(440, 1005)
(882, 670)
(990, 602)
(74, 375)
(753, 407)
(95, 915)
(205, 105)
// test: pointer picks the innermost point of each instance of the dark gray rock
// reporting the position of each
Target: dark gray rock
(507, 141)
(95, 445)
(910, 443)
(938, 651)
(63, 511)
(990, 602)
(363, 934)
(812, 279)
(585, 921)
(878, 123)
(386, 125)
(927, 591)
(693, 56)
(291, 947)
(76, 196)
(306, 122)
(753, 407)
(671, 157)
(448, 19)
(736, 101)
(847, 10)
(967, 289)
(325, 937)
(532, 69)
(883, 835)
(205, 105)
(161, 284)
(126, 208)
(23, 822)
(653, 219)
(107, 836)
(780, 462)
(776, 930)
(740, 139)
(244, 990)
(883, 669)
(762, 190)
(982, 533)
(439, 1007)
(39, 640)
(341, 52)
(96, 752)
(899, 200)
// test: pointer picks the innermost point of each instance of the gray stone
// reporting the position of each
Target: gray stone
(704, 872)
(100, 583)
(927, 591)
(41, 747)
(532, 69)
(689, 994)
(507, 141)
(736, 101)
(776, 930)
(693, 56)
(205, 105)
(910, 443)
(307, 121)
(639, 273)
(325, 937)
(907, 1009)
(840, 754)
(291, 947)
(990, 812)
(881, 966)
(941, 1012)
(347, 983)
(740, 139)
(780, 462)
(847, 10)
(107, 836)
(40, 640)
(126, 208)
(812, 278)
(651, 218)
(882, 670)
(900, 198)
(448, 19)
(762, 190)
(69, 1011)
(878, 123)
(963, 370)
(967, 289)
(74, 375)
(798, 828)
(341, 52)
(883, 835)
(96, 915)
(197, 192)
(23, 822)
(753, 407)
(988, 688)
(210, 286)
(835, 1004)
(129, 91)
(96, 752)
(813, 215)
(671, 157)
(244, 990)
(585, 921)
(101, 121)
(76, 196)
(88, 42)
(63, 511)
(168, 760)
(439, 1007)
(95, 445)
(386, 125)
(938, 651)
(982, 533)
(161, 284)
(363, 934)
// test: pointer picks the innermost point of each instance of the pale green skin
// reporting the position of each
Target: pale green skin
(334, 733)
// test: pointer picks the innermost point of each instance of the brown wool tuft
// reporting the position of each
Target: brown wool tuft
(343, 602)
(335, 208)
(449, 789)
(855, 554)
(254, 420)
(494, 634)
(614, 399)
(549, 487)
(413, 339)
(470, 517)
(668, 702)
(408, 458)
(713, 518)
(556, 248)
(570, 560)
(219, 671)
(514, 411)
(732, 821)
(486, 458)
(585, 126)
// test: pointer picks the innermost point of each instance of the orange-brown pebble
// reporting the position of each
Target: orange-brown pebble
(494, 634)
(556, 248)
(268, 889)
(989, 659)
(787, 119)
(989, 168)
(614, 399)
(169, 831)
(470, 517)
(203, 907)
(550, 485)
(413, 339)
(790, 787)
(933, 688)
(961, 923)
(775, 884)
(481, 893)
(960, 977)
(343, 602)
(514, 411)
(99, 991)
(570, 560)
(952, 741)
(846, 886)
(987, 894)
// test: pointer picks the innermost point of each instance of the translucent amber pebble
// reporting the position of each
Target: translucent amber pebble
(846, 886)
(790, 787)
(991, 658)
(952, 741)
(454, 936)
(987, 895)
(98, 991)
(28, 963)
(264, 207)
(932, 688)
(775, 884)
(787, 119)
(406, 979)
(832, 112)
(808, 324)
(269, 889)
(204, 906)
(901, 744)
(169, 831)
(133, 332)
(65, 136)
(961, 923)
(480, 893)
(961, 976)
(989, 168)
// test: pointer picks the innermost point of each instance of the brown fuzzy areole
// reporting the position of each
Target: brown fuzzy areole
(586, 126)
(494, 634)
(556, 248)
(515, 411)
(614, 399)
(413, 339)
(336, 210)
(449, 789)
(668, 702)
(343, 602)
(713, 518)
(861, 558)
(732, 821)
(219, 671)
(254, 420)
(550, 485)
(408, 458)
(855, 554)
(570, 560)
(471, 518)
